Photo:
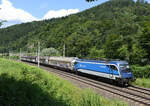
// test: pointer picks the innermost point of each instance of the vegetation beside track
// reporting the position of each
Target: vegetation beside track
(21, 84)
(142, 82)
(10, 57)
(141, 71)
(142, 75)
(116, 29)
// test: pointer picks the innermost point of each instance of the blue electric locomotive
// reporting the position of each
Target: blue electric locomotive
(119, 71)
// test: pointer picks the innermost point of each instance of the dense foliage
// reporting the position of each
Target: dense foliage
(142, 82)
(141, 72)
(23, 85)
(142, 75)
(117, 29)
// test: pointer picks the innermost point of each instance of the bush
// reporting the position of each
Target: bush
(94, 53)
(25, 85)
(142, 82)
(11, 57)
(141, 72)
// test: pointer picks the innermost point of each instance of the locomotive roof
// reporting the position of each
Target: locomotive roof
(103, 61)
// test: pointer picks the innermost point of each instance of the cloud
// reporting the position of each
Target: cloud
(60, 13)
(15, 16)
(9, 23)
(10, 13)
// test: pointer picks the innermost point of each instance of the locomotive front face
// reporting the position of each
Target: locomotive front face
(125, 70)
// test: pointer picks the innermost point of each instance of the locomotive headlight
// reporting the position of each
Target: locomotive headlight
(124, 66)
(128, 66)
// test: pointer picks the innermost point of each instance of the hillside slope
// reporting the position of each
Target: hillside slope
(28, 85)
(115, 29)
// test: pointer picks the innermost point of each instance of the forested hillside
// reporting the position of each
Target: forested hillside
(117, 29)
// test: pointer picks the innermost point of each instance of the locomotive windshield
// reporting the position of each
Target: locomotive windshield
(125, 67)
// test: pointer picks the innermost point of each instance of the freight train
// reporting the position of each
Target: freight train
(115, 70)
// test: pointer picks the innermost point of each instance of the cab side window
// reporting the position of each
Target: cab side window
(75, 63)
(113, 67)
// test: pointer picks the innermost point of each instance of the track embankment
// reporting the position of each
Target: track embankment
(135, 96)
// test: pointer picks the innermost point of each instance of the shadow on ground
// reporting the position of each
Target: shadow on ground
(23, 93)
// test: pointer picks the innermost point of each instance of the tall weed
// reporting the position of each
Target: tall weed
(24, 85)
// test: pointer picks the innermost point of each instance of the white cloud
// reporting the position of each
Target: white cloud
(60, 13)
(10, 13)
(13, 15)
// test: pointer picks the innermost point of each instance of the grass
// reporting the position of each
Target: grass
(25, 85)
(11, 57)
(142, 82)
(142, 74)
(141, 71)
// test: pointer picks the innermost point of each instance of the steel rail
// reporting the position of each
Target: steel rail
(107, 87)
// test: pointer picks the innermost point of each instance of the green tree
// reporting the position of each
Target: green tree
(113, 42)
(2, 21)
(114, 29)
(123, 52)
(95, 53)
(0, 24)
(138, 55)
(144, 39)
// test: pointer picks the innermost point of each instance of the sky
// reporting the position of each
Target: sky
(21, 11)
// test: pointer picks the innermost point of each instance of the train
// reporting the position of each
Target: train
(114, 70)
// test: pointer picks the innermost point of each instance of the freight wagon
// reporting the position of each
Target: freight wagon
(118, 71)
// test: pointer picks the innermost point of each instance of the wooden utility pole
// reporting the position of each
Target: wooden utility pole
(20, 54)
(64, 50)
(9, 55)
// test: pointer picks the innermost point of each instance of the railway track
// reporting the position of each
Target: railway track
(137, 95)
